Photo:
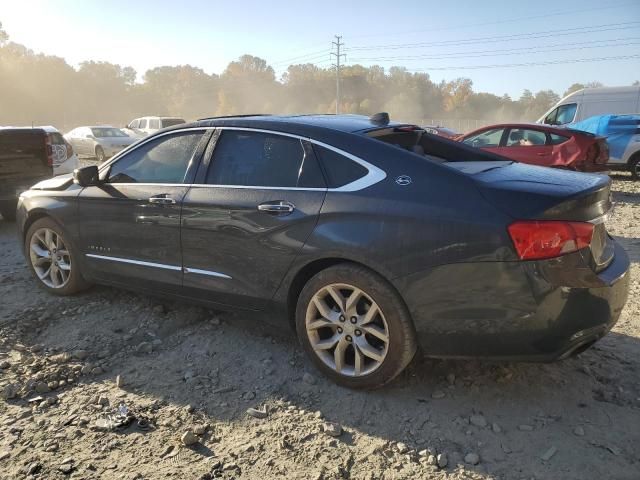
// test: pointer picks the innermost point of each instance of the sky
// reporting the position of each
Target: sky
(465, 38)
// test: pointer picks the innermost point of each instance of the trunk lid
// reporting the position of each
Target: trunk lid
(527, 192)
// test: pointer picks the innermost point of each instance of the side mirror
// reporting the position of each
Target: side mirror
(90, 136)
(86, 176)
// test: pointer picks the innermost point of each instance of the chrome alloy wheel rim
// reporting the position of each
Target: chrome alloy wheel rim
(347, 330)
(50, 258)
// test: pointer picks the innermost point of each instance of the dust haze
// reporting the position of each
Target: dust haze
(45, 90)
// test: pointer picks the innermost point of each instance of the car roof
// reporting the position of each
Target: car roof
(345, 123)
(533, 126)
(46, 128)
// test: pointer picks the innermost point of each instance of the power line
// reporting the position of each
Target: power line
(502, 38)
(302, 57)
(338, 56)
(497, 53)
(497, 22)
(528, 64)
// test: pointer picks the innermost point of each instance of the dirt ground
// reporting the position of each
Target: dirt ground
(108, 384)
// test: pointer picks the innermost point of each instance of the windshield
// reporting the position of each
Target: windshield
(107, 132)
(169, 122)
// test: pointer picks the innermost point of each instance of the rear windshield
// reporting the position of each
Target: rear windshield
(170, 122)
(107, 132)
(56, 138)
(415, 139)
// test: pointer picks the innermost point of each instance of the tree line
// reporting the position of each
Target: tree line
(45, 90)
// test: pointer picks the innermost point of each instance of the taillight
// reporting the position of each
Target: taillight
(539, 239)
(69, 149)
(592, 153)
(49, 149)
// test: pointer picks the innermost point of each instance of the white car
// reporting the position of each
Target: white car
(99, 142)
(141, 127)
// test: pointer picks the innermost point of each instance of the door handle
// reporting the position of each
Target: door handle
(277, 208)
(163, 199)
(542, 154)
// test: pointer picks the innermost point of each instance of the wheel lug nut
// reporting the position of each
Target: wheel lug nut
(354, 319)
(349, 338)
(339, 329)
(342, 319)
(358, 333)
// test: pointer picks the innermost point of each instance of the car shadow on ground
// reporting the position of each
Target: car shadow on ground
(222, 363)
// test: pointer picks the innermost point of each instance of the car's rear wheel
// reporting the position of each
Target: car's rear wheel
(100, 156)
(53, 259)
(634, 166)
(354, 326)
(8, 209)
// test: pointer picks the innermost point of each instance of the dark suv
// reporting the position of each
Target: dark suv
(370, 237)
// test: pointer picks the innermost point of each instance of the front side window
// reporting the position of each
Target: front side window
(566, 113)
(143, 123)
(162, 160)
(257, 159)
(154, 123)
(488, 138)
(523, 137)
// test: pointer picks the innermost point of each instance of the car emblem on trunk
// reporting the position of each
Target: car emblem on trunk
(403, 180)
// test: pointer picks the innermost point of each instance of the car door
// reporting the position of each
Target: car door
(256, 202)
(527, 146)
(130, 224)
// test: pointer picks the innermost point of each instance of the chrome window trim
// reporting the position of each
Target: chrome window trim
(143, 141)
(206, 272)
(374, 174)
(134, 262)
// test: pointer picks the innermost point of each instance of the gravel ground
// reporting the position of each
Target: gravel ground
(110, 384)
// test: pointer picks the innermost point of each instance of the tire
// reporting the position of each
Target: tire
(634, 166)
(361, 332)
(100, 156)
(8, 210)
(44, 239)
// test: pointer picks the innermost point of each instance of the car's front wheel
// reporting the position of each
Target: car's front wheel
(52, 258)
(354, 326)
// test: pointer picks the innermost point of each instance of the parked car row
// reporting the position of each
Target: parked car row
(574, 134)
(28, 155)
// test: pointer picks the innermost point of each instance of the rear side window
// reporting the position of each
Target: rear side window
(523, 137)
(154, 123)
(162, 160)
(557, 139)
(262, 160)
(339, 169)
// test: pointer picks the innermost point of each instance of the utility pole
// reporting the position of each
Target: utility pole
(338, 56)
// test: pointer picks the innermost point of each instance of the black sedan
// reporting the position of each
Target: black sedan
(369, 237)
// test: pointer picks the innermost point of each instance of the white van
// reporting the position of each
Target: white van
(141, 127)
(588, 102)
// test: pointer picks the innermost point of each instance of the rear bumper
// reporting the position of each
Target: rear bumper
(538, 311)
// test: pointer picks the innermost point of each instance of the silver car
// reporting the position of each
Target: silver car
(99, 142)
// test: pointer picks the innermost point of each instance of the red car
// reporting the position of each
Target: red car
(442, 131)
(544, 145)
